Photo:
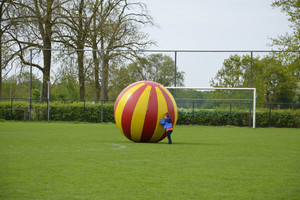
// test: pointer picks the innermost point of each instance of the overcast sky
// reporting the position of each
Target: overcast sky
(215, 24)
(212, 25)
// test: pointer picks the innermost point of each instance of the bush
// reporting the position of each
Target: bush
(90, 112)
(19, 111)
(212, 117)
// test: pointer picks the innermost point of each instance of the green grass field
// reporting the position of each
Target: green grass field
(94, 161)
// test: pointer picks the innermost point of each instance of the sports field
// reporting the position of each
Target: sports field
(94, 161)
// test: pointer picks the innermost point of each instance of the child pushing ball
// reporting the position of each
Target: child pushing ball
(167, 122)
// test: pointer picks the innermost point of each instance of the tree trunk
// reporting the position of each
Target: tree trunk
(46, 33)
(80, 53)
(0, 67)
(1, 34)
(96, 58)
(80, 56)
(96, 65)
(105, 79)
(96, 75)
(46, 73)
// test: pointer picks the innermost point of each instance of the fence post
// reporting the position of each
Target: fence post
(10, 91)
(269, 114)
(230, 116)
(193, 112)
(11, 108)
(48, 102)
(83, 110)
(250, 114)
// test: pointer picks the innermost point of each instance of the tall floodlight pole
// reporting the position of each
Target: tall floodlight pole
(30, 85)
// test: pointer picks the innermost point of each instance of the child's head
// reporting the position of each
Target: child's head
(167, 115)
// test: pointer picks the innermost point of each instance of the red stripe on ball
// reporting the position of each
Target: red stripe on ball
(151, 117)
(129, 109)
(152, 83)
(163, 136)
(123, 92)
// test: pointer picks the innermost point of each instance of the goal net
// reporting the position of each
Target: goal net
(215, 106)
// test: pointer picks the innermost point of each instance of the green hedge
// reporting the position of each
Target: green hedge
(20, 110)
(90, 112)
(74, 112)
(278, 118)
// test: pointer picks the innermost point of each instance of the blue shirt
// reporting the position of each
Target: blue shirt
(167, 123)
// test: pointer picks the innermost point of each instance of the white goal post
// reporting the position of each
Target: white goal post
(219, 88)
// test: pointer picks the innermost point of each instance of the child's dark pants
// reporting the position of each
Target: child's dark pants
(169, 136)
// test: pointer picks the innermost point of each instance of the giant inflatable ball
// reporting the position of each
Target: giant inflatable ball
(138, 110)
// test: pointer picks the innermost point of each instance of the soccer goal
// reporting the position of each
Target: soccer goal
(217, 98)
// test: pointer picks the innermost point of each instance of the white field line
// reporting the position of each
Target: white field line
(118, 146)
(114, 147)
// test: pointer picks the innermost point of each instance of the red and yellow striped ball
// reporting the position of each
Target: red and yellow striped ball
(138, 110)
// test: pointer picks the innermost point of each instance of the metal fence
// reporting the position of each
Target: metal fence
(19, 109)
(199, 67)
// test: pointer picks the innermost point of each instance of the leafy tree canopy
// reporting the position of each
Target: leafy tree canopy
(155, 67)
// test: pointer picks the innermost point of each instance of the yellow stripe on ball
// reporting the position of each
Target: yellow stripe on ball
(162, 109)
(139, 114)
(122, 103)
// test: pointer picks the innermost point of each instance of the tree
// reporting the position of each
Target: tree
(277, 80)
(117, 27)
(65, 85)
(7, 18)
(19, 85)
(233, 72)
(36, 28)
(2, 31)
(75, 24)
(292, 9)
(274, 82)
(98, 31)
(156, 67)
(290, 41)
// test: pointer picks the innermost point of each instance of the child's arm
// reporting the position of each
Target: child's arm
(162, 122)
